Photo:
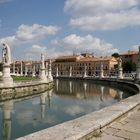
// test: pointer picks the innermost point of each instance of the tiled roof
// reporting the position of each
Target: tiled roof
(129, 53)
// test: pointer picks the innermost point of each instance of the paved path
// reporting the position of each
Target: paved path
(127, 128)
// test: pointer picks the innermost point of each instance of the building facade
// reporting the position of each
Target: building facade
(76, 65)
(129, 56)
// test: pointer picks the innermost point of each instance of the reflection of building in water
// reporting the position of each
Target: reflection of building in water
(7, 109)
(84, 90)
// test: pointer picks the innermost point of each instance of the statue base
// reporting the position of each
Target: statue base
(120, 74)
(43, 77)
(6, 77)
(137, 77)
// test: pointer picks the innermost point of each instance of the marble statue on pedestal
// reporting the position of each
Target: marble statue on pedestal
(6, 60)
(120, 70)
(50, 77)
(43, 77)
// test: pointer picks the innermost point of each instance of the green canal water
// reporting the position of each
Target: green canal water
(68, 100)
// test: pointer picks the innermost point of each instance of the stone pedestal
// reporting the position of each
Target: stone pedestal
(85, 71)
(120, 70)
(43, 77)
(26, 70)
(70, 72)
(21, 69)
(101, 72)
(6, 77)
(137, 77)
(33, 71)
(50, 78)
(120, 73)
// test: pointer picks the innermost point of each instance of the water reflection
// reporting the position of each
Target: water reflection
(68, 100)
(7, 110)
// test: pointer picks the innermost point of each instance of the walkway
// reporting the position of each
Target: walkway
(127, 128)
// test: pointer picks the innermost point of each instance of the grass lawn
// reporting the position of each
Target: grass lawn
(21, 78)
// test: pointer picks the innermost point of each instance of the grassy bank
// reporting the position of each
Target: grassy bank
(22, 78)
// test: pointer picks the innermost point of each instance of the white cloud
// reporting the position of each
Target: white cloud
(35, 51)
(135, 47)
(30, 34)
(103, 14)
(86, 43)
(35, 31)
(74, 110)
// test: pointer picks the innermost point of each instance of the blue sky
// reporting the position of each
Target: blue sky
(61, 27)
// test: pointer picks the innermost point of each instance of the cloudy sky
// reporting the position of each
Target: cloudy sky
(63, 27)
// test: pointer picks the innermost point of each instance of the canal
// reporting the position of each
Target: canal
(68, 100)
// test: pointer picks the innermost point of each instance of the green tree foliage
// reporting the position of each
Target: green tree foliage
(116, 55)
(1, 66)
(129, 66)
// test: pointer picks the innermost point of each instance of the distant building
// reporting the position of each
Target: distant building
(129, 56)
(64, 64)
(78, 63)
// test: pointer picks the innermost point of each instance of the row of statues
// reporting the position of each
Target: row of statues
(6, 60)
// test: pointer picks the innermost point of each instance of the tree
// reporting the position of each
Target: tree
(129, 66)
(1, 66)
(116, 55)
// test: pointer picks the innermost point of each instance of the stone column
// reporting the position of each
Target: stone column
(43, 77)
(101, 71)
(120, 70)
(50, 78)
(6, 59)
(137, 77)
(85, 71)
(70, 72)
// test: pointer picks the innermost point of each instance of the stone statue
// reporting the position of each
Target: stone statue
(139, 54)
(119, 63)
(6, 54)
